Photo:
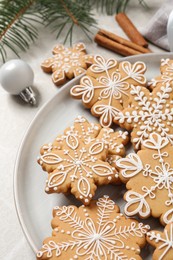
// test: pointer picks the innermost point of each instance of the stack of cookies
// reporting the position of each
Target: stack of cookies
(88, 155)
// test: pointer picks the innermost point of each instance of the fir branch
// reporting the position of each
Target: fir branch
(16, 30)
(112, 6)
(66, 13)
(18, 19)
(69, 13)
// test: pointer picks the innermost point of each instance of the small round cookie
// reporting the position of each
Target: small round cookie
(95, 232)
(67, 63)
(163, 242)
(106, 88)
(77, 161)
(149, 179)
(166, 76)
(148, 112)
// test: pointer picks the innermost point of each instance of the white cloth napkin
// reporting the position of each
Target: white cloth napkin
(156, 29)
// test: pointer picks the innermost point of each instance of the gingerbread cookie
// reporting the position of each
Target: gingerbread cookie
(148, 112)
(78, 160)
(149, 178)
(163, 242)
(95, 232)
(67, 63)
(166, 76)
(106, 88)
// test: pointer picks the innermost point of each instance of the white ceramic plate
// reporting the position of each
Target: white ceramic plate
(33, 205)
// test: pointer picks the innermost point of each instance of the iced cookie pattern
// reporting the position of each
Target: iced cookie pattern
(106, 88)
(166, 76)
(163, 242)
(149, 178)
(67, 63)
(95, 232)
(148, 112)
(76, 165)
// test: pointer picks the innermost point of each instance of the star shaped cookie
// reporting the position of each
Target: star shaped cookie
(95, 232)
(82, 158)
(67, 63)
(148, 112)
(149, 179)
(106, 87)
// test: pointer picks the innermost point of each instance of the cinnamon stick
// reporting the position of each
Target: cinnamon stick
(130, 30)
(114, 46)
(123, 41)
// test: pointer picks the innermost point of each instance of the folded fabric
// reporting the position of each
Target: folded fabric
(156, 29)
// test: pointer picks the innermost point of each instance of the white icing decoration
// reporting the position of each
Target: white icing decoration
(79, 46)
(96, 148)
(161, 174)
(58, 76)
(166, 241)
(72, 141)
(151, 114)
(106, 240)
(86, 90)
(83, 186)
(57, 179)
(155, 142)
(142, 208)
(164, 62)
(102, 170)
(164, 79)
(49, 248)
(169, 66)
(107, 113)
(115, 86)
(80, 119)
(112, 86)
(51, 158)
(88, 130)
(78, 165)
(48, 147)
(167, 74)
(168, 216)
(130, 166)
(101, 64)
(135, 71)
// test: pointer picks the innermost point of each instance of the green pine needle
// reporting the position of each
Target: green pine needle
(16, 30)
(65, 14)
(112, 6)
(18, 19)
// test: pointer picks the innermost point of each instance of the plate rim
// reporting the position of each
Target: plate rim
(16, 164)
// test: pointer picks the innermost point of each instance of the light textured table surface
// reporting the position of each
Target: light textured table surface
(15, 117)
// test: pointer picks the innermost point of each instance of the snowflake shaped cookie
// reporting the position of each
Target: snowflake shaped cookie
(148, 112)
(67, 63)
(106, 88)
(166, 74)
(79, 159)
(149, 178)
(163, 242)
(95, 232)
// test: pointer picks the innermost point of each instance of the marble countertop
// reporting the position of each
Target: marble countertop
(16, 116)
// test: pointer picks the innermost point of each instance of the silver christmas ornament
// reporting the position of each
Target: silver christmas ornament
(16, 77)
